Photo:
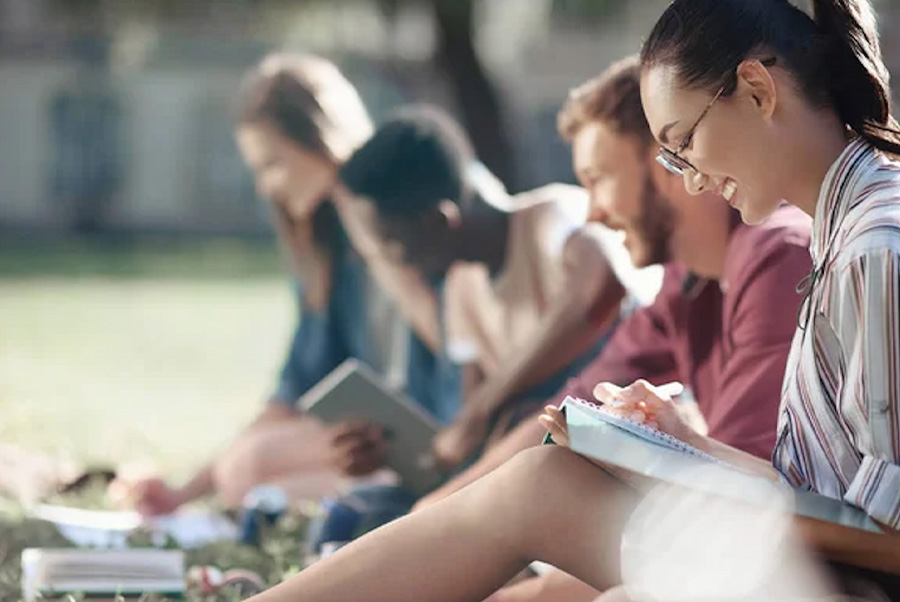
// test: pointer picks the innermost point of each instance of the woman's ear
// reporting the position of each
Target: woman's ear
(755, 82)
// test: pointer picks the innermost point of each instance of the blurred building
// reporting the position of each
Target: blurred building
(118, 114)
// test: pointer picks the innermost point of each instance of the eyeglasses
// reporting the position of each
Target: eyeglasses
(673, 161)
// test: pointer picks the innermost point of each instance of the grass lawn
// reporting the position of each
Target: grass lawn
(148, 350)
(151, 351)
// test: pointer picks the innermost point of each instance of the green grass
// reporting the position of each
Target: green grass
(277, 558)
(154, 351)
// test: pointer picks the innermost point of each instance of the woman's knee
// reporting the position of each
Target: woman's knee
(549, 468)
(271, 452)
(240, 468)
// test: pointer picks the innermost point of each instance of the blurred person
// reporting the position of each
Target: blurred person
(704, 327)
(525, 273)
(717, 325)
(299, 120)
(738, 94)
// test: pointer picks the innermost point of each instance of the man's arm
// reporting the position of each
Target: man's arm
(592, 294)
(414, 297)
(641, 347)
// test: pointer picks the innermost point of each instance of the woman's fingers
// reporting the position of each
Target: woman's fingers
(555, 422)
(608, 393)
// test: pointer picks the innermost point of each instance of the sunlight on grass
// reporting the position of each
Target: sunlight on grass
(108, 370)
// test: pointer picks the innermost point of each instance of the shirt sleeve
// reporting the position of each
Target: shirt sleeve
(868, 326)
(760, 320)
(640, 348)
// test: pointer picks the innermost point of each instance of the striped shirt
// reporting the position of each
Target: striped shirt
(839, 421)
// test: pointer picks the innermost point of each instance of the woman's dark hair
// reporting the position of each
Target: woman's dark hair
(834, 56)
(310, 102)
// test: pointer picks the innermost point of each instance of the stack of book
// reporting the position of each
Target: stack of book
(48, 573)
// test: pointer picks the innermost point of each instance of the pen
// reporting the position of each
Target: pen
(672, 389)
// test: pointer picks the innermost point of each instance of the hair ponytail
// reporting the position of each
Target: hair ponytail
(859, 83)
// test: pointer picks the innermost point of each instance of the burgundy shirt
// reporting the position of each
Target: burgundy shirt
(727, 340)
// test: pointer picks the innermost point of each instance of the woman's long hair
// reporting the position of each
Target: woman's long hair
(310, 102)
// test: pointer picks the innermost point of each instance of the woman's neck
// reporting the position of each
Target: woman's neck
(816, 145)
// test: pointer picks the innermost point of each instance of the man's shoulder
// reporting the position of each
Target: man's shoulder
(549, 215)
(551, 193)
(781, 240)
(767, 261)
(787, 228)
(552, 201)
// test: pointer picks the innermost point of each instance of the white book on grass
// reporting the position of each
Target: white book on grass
(51, 572)
(111, 528)
(649, 452)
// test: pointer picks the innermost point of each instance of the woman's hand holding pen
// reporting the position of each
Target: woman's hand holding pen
(640, 402)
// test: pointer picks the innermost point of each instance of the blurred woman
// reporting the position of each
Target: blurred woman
(299, 119)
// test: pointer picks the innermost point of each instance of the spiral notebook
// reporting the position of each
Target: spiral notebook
(595, 433)
(650, 434)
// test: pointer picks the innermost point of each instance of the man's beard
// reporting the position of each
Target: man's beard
(656, 224)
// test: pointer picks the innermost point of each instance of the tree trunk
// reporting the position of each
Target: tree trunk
(477, 98)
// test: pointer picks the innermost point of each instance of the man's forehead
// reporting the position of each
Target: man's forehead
(600, 143)
(586, 142)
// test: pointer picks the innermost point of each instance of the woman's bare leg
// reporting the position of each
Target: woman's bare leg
(551, 587)
(616, 594)
(545, 504)
(293, 452)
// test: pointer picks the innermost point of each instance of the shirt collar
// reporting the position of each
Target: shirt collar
(838, 186)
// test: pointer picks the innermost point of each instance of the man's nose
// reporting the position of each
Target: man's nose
(598, 209)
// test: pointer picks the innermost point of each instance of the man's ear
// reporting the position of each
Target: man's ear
(755, 81)
(450, 213)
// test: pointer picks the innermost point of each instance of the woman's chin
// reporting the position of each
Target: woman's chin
(753, 213)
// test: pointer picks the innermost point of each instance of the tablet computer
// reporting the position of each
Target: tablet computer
(352, 391)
